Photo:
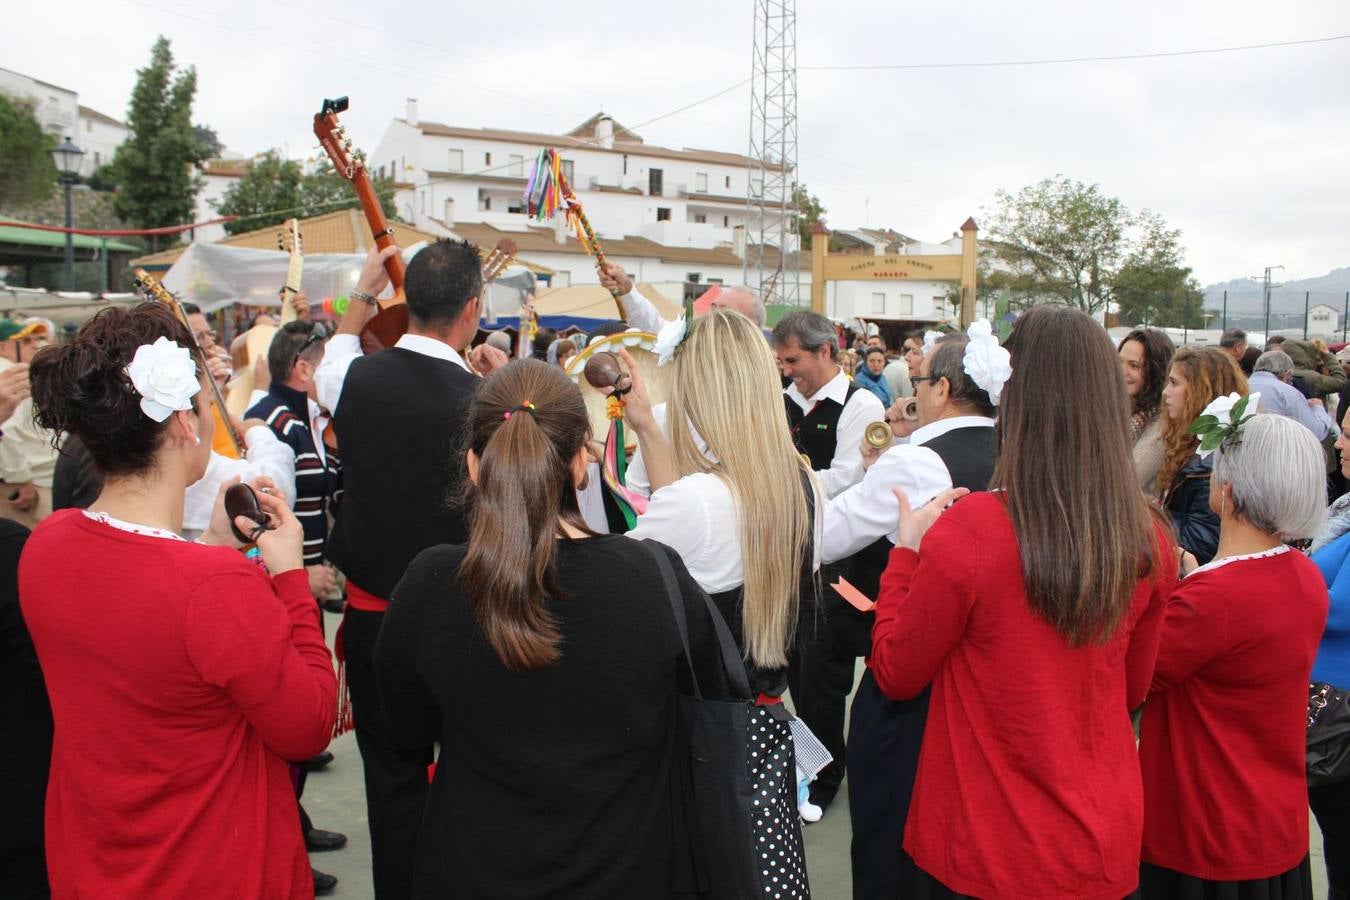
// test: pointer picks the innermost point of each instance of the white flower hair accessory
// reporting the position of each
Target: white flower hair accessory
(987, 364)
(930, 339)
(670, 336)
(165, 376)
(1222, 420)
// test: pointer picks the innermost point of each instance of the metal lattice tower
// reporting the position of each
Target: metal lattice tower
(771, 210)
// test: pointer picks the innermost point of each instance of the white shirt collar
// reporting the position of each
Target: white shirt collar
(835, 389)
(426, 346)
(935, 430)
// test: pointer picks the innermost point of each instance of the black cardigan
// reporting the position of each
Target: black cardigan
(554, 782)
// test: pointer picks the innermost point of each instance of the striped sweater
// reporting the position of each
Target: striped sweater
(318, 471)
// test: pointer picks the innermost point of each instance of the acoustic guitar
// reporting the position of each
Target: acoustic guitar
(258, 339)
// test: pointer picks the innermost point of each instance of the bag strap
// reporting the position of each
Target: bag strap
(676, 607)
(732, 663)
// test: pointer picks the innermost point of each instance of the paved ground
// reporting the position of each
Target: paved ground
(335, 799)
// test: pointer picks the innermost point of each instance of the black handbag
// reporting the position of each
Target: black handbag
(741, 776)
(1328, 734)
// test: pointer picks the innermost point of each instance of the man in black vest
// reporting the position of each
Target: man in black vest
(399, 416)
(951, 444)
(827, 415)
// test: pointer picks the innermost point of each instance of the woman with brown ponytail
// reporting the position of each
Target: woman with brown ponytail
(545, 660)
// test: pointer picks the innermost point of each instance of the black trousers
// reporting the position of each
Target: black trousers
(1331, 806)
(884, 737)
(396, 778)
(831, 635)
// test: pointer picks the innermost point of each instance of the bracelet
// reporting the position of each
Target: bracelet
(363, 297)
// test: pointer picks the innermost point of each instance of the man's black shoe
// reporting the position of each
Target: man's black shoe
(317, 840)
(319, 762)
(323, 882)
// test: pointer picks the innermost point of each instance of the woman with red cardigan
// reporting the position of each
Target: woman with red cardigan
(1223, 744)
(181, 676)
(1034, 611)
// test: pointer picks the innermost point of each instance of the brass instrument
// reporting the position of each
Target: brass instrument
(878, 435)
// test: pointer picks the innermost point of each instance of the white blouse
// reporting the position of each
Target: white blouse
(698, 518)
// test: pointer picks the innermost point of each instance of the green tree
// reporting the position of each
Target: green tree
(267, 194)
(208, 142)
(275, 189)
(156, 166)
(1154, 285)
(809, 211)
(27, 173)
(324, 190)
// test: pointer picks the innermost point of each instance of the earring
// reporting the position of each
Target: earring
(196, 440)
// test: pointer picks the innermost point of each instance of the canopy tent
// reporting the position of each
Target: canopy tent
(214, 276)
(59, 306)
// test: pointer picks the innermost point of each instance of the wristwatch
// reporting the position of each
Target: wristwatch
(363, 297)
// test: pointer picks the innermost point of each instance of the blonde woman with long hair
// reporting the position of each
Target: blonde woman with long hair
(730, 493)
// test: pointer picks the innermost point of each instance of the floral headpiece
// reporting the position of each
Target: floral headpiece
(987, 364)
(165, 376)
(1221, 422)
(673, 334)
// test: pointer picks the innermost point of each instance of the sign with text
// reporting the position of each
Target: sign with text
(893, 267)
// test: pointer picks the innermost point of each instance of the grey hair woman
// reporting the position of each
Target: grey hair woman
(1237, 648)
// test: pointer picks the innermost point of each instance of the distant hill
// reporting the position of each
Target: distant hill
(1244, 294)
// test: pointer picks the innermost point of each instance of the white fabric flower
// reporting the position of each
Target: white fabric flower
(165, 376)
(668, 338)
(987, 364)
(1221, 408)
(930, 339)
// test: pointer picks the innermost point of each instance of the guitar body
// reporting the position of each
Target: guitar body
(389, 324)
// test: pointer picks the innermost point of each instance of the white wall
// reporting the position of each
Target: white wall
(213, 189)
(56, 109)
(888, 299)
(99, 140)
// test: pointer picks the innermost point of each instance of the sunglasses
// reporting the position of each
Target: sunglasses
(315, 337)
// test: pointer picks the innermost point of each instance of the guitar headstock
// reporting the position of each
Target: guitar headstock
(498, 258)
(289, 238)
(153, 290)
(334, 140)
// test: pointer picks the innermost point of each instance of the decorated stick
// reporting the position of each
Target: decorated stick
(547, 192)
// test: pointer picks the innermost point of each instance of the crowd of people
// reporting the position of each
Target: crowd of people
(1089, 585)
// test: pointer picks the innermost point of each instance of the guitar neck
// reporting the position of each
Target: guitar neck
(294, 271)
(379, 225)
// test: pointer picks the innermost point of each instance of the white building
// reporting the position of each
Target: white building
(60, 114)
(650, 200)
(98, 135)
(1324, 322)
(910, 299)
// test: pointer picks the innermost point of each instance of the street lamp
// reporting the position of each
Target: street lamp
(67, 157)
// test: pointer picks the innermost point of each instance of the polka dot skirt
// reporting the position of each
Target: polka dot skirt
(777, 827)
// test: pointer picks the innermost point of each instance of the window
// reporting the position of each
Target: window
(423, 195)
(450, 211)
(96, 159)
(701, 182)
(662, 214)
(693, 277)
(728, 182)
(456, 161)
(517, 165)
(906, 304)
(714, 281)
(569, 170)
(700, 218)
(487, 204)
(625, 164)
(487, 159)
(515, 205)
(654, 186)
(726, 221)
(878, 302)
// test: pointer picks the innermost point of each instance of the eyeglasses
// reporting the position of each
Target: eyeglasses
(915, 379)
(204, 338)
(315, 337)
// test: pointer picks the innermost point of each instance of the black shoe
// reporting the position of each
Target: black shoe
(318, 763)
(333, 605)
(317, 840)
(323, 882)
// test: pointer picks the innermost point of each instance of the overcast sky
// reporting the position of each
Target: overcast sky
(1248, 153)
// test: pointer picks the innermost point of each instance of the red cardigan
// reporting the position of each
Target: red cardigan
(181, 679)
(1028, 781)
(1223, 745)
